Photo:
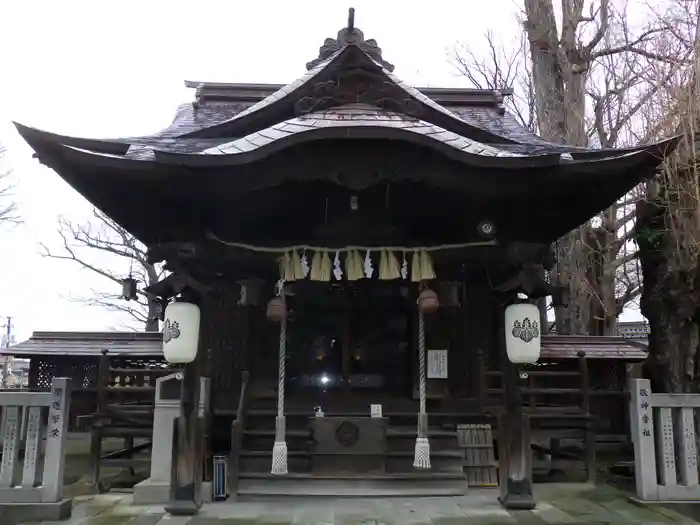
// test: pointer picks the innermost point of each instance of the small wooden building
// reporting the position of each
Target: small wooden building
(135, 362)
(346, 194)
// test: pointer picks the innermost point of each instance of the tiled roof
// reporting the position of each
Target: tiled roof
(89, 344)
(593, 347)
(150, 344)
(356, 116)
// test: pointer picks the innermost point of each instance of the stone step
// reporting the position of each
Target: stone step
(440, 461)
(261, 461)
(263, 439)
(257, 486)
(454, 454)
(399, 439)
(396, 462)
(392, 431)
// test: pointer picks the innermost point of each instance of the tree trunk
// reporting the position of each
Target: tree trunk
(673, 363)
(541, 30)
(560, 104)
(671, 295)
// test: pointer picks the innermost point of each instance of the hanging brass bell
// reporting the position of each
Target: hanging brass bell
(276, 309)
(428, 301)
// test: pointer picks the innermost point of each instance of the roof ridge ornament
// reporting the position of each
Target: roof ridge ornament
(350, 35)
(351, 18)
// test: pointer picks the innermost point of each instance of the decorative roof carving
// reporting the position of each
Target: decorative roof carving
(350, 35)
(353, 89)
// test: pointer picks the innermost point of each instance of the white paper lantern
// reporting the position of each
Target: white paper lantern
(522, 327)
(181, 332)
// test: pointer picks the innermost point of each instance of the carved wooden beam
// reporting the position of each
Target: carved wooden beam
(175, 284)
(530, 280)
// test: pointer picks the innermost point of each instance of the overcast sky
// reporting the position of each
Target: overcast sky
(106, 69)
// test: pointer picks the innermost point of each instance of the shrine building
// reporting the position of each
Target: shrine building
(363, 257)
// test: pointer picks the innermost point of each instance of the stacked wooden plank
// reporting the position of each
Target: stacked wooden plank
(479, 458)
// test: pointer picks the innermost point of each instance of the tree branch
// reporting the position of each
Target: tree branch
(8, 206)
(81, 243)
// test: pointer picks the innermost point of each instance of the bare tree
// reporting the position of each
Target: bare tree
(583, 83)
(595, 48)
(8, 206)
(102, 238)
(668, 231)
(505, 66)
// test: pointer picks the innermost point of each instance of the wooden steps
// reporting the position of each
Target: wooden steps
(258, 438)
(461, 455)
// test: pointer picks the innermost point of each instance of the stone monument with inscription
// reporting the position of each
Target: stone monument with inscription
(32, 489)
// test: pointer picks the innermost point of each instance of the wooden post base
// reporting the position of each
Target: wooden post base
(186, 473)
(183, 507)
(517, 495)
(515, 461)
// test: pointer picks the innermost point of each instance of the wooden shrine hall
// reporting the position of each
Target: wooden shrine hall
(354, 263)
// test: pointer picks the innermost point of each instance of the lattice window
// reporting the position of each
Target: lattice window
(45, 370)
(81, 370)
(89, 375)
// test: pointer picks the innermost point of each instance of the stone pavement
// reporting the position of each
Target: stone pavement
(557, 504)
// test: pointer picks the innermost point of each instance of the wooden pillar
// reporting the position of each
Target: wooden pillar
(102, 384)
(482, 382)
(346, 348)
(186, 485)
(249, 302)
(589, 431)
(467, 353)
(515, 458)
(186, 481)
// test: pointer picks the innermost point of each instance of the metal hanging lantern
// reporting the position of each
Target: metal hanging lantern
(276, 309)
(486, 229)
(522, 332)
(428, 302)
(129, 291)
(181, 332)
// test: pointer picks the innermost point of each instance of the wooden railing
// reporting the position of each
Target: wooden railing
(121, 414)
(663, 434)
(237, 433)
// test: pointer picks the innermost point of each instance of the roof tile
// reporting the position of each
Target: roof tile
(356, 115)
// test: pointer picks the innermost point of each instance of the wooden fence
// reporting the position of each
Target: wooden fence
(27, 419)
(664, 438)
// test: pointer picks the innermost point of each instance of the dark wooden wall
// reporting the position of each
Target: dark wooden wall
(225, 337)
(237, 338)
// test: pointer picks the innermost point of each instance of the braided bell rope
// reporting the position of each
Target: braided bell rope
(421, 458)
(281, 371)
(279, 449)
(421, 361)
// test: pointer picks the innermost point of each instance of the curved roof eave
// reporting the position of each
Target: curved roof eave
(650, 155)
(286, 92)
(109, 154)
(460, 149)
(34, 135)
(256, 117)
(106, 160)
(660, 149)
(49, 154)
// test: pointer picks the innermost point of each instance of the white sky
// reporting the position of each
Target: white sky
(106, 69)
